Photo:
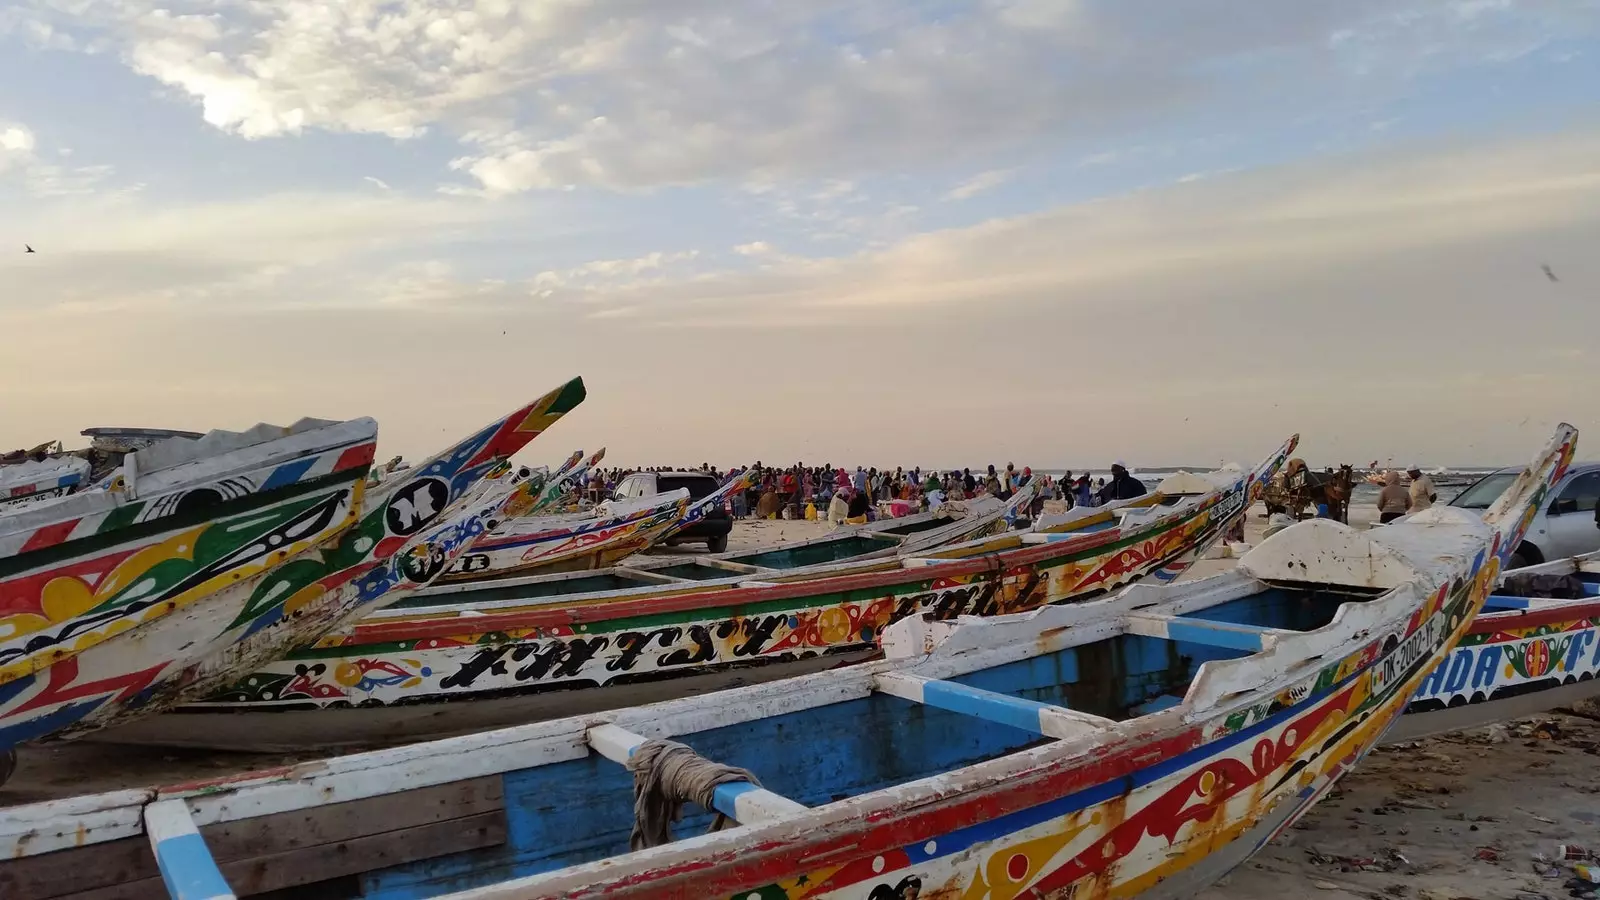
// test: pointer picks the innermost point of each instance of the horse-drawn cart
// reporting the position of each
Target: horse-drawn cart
(1297, 491)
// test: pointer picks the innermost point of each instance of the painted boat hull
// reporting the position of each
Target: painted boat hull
(572, 544)
(346, 727)
(586, 648)
(414, 527)
(1515, 663)
(140, 589)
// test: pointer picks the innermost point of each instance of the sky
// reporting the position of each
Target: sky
(904, 232)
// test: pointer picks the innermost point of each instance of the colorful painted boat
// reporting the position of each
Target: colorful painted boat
(610, 533)
(1522, 656)
(1140, 745)
(35, 481)
(413, 527)
(86, 577)
(505, 653)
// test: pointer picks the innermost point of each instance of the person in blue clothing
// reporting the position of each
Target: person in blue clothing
(1083, 493)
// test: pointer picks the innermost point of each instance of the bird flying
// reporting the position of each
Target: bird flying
(28, 249)
(1549, 274)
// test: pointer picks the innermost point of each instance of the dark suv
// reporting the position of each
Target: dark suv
(713, 527)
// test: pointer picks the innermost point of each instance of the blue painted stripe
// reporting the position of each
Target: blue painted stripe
(1591, 588)
(1500, 601)
(1231, 635)
(288, 473)
(188, 869)
(988, 705)
(724, 796)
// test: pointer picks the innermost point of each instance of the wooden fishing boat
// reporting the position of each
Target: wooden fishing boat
(506, 653)
(610, 533)
(412, 527)
(93, 572)
(34, 481)
(1521, 656)
(613, 531)
(1141, 744)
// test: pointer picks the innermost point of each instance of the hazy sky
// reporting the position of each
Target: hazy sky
(902, 231)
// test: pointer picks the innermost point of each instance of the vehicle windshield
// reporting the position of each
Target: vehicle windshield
(698, 485)
(1485, 492)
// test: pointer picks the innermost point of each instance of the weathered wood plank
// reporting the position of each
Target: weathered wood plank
(74, 872)
(364, 854)
(305, 828)
(82, 873)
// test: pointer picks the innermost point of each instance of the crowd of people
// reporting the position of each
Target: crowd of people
(855, 496)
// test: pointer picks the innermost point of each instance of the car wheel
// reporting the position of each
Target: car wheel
(1518, 560)
(717, 544)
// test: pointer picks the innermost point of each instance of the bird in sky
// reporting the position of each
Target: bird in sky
(1549, 274)
(27, 248)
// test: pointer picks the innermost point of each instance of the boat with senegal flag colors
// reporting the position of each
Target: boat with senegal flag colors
(412, 527)
(87, 576)
(505, 652)
(1141, 744)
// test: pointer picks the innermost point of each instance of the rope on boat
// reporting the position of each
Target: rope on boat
(667, 774)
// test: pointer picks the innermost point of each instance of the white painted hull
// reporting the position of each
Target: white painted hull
(296, 731)
(1415, 725)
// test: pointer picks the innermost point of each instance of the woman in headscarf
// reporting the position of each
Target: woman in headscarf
(839, 507)
(1393, 500)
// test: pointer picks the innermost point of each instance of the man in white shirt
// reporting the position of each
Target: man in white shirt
(1422, 491)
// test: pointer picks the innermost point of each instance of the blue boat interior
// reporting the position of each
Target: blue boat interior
(580, 811)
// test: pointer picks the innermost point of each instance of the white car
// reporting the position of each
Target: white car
(1568, 523)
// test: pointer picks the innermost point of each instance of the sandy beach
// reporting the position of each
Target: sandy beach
(1461, 816)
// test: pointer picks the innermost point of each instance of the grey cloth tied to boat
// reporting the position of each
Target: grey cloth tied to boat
(666, 774)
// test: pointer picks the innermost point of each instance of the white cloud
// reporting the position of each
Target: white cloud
(977, 184)
(597, 276)
(377, 182)
(621, 94)
(1208, 226)
(16, 147)
(20, 156)
(754, 248)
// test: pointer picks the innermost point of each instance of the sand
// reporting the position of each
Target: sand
(1448, 818)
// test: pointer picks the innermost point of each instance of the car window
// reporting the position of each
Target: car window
(1485, 492)
(698, 485)
(1579, 495)
(625, 489)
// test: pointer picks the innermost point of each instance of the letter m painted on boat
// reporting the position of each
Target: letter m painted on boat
(418, 507)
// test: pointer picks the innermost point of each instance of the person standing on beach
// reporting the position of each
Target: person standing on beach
(1422, 494)
(1122, 486)
(1084, 494)
(1393, 500)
